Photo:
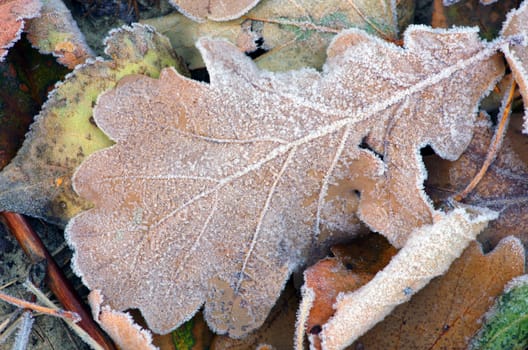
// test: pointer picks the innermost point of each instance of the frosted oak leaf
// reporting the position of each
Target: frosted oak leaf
(214, 193)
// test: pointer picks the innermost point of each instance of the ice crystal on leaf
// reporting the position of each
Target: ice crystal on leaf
(214, 193)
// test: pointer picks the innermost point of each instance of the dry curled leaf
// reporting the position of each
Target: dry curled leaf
(446, 313)
(12, 16)
(119, 325)
(214, 193)
(427, 254)
(216, 10)
(55, 31)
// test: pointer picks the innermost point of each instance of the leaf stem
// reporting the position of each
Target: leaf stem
(494, 147)
(39, 308)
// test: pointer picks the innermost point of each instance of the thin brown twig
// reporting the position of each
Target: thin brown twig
(55, 279)
(39, 308)
(494, 147)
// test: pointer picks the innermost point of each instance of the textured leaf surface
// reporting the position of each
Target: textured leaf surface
(516, 26)
(295, 34)
(37, 181)
(428, 253)
(446, 313)
(506, 325)
(216, 10)
(215, 192)
(12, 16)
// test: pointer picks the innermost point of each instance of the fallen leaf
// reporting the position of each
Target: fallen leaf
(353, 266)
(427, 254)
(216, 10)
(516, 52)
(446, 313)
(214, 193)
(56, 32)
(506, 324)
(37, 181)
(503, 187)
(119, 325)
(293, 35)
(12, 16)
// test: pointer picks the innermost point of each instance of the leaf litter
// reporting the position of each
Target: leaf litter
(37, 182)
(241, 168)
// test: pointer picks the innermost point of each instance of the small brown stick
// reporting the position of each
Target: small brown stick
(494, 147)
(55, 279)
(39, 308)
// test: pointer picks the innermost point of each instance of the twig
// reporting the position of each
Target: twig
(39, 308)
(494, 147)
(55, 279)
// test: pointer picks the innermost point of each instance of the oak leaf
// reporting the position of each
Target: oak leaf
(12, 16)
(214, 193)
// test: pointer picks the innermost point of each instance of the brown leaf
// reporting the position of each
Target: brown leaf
(503, 187)
(56, 32)
(427, 254)
(446, 313)
(12, 15)
(216, 10)
(516, 28)
(214, 193)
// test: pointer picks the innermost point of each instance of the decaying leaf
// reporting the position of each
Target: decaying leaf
(506, 324)
(119, 325)
(37, 181)
(12, 16)
(427, 254)
(293, 34)
(516, 52)
(215, 192)
(503, 188)
(447, 312)
(216, 10)
(55, 31)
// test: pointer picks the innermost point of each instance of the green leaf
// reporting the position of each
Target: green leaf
(37, 181)
(506, 325)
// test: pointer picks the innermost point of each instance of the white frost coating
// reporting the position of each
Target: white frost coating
(25, 11)
(120, 326)
(428, 253)
(308, 297)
